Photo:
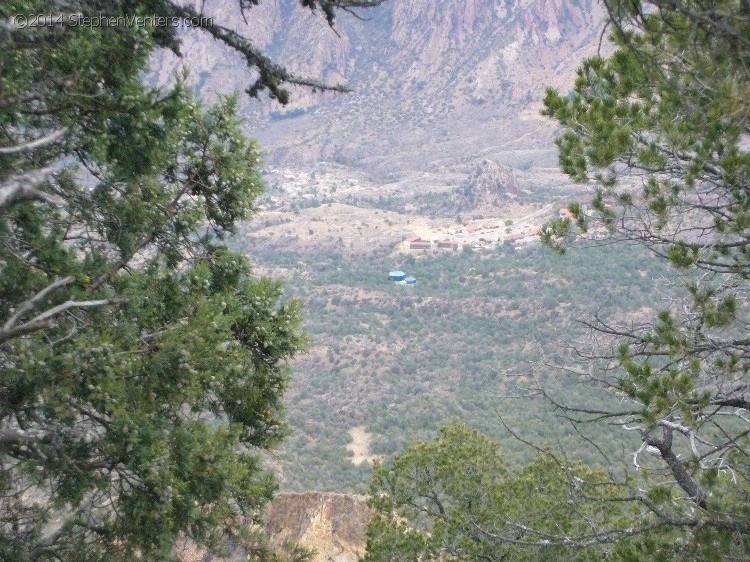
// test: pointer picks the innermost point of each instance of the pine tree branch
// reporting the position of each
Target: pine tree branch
(680, 473)
(29, 304)
(20, 189)
(33, 145)
(272, 76)
(11, 329)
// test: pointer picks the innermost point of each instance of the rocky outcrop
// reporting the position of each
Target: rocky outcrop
(334, 525)
(489, 185)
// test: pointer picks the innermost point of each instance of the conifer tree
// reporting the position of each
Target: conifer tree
(142, 363)
(661, 131)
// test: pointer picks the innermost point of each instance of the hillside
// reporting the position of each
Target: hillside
(489, 185)
(392, 363)
(435, 84)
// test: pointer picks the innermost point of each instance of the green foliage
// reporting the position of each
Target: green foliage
(668, 104)
(404, 361)
(661, 127)
(142, 364)
(453, 499)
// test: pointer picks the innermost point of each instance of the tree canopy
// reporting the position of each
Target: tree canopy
(142, 363)
(454, 499)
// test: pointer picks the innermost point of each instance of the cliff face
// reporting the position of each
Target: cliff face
(334, 525)
(433, 80)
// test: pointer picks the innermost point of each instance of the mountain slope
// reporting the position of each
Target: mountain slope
(436, 83)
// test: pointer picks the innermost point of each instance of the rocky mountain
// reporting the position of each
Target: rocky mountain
(489, 185)
(436, 84)
(332, 525)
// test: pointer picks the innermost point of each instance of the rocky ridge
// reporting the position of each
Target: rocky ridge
(489, 185)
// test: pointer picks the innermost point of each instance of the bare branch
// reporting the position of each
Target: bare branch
(24, 188)
(272, 76)
(33, 145)
(47, 319)
(29, 304)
